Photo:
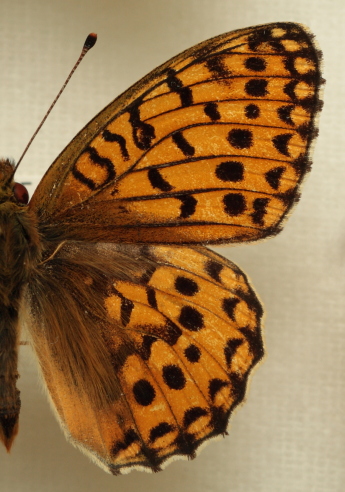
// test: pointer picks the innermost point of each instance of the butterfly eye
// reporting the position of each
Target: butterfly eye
(21, 193)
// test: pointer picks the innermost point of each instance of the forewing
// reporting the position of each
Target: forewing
(209, 147)
(146, 363)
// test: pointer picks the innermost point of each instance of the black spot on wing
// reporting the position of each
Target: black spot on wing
(160, 430)
(234, 204)
(252, 301)
(186, 148)
(173, 377)
(145, 349)
(126, 307)
(230, 349)
(232, 171)
(192, 353)
(238, 386)
(191, 318)
(129, 438)
(186, 286)
(255, 64)
(186, 444)
(273, 176)
(144, 393)
(119, 139)
(157, 180)
(192, 415)
(219, 421)
(216, 385)
(147, 275)
(217, 67)
(176, 85)
(120, 356)
(260, 38)
(259, 205)
(100, 161)
(229, 305)
(211, 110)
(308, 103)
(255, 343)
(213, 269)
(188, 206)
(252, 111)
(151, 297)
(281, 143)
(289, 89)
(240, 139)
(307, 131)
(171, 333)
(143, 133)
(256, 87)
(284, 114)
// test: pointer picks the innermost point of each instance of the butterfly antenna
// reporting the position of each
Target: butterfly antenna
(89, 43)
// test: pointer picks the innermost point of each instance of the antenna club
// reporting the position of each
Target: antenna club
(90, 41)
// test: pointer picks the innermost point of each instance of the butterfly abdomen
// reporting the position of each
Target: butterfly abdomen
(9, 394)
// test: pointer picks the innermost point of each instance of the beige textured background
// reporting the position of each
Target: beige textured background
(290, 434)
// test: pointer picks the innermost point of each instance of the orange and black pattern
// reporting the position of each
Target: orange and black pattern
(190, 367)
(179, 340)
(211, 147)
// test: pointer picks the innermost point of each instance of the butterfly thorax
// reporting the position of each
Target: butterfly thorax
(19, 239)
(19, 253)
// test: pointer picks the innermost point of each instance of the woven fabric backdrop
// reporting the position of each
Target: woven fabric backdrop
(290, 433)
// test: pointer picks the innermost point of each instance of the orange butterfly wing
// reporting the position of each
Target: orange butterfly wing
(149, 348)
(210, 147)
(176, 340)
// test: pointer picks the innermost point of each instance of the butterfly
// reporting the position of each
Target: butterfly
(144, 336)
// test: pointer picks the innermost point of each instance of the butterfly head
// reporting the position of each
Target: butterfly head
(9, 190)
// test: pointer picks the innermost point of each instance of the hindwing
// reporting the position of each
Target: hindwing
(152, 360)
